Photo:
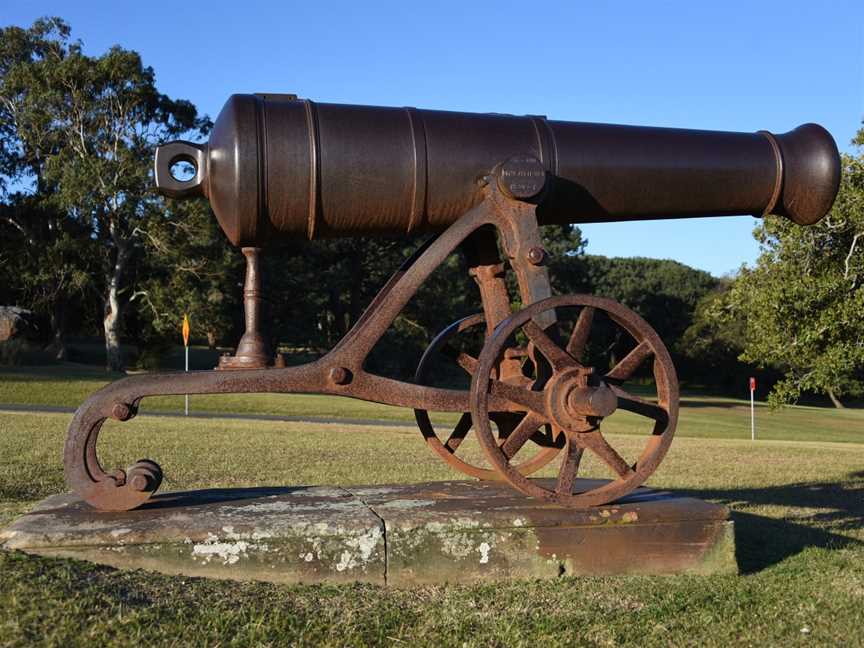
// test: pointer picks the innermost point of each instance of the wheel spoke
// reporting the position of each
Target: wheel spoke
(631, 403)
(519, 436)
(569, 469)
(557, 357)
(533, 401)
(459, 432)
(599, 446)
(624, 369)
(581, 331)
(467, 362)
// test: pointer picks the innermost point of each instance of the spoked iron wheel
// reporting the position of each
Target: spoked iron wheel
(505, 422)
(576, 399)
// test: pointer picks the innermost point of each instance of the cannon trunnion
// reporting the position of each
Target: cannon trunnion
(277, 167)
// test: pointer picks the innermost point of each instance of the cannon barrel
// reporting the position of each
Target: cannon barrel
(279, 167)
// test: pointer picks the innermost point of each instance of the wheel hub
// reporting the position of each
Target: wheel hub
(575, 405)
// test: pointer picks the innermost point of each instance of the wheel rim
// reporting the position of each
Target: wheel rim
(583, 435)
(447, 449)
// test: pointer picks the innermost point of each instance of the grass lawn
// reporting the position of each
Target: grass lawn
(701, 416)
(798, 507)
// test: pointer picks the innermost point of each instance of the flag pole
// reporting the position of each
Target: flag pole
(752, 411)
(187, 371)
(186, 348)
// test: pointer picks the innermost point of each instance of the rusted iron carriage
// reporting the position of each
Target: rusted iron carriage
(277, 167)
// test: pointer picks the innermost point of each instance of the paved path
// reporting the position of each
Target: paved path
(57, 409)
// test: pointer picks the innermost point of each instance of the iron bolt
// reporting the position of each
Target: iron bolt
(139, 483)
(340, 376)
(536, 256)
(121, 412)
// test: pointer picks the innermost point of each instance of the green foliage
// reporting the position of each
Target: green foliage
(46, 261)
(188, 266)
(321, 288)
(662, 291)
(78, 132)
(708, 353)
(562, 243)
(804, 300)
(716, 330)
(11, 352)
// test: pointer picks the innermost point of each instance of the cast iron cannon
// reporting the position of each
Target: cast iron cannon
(277, 167)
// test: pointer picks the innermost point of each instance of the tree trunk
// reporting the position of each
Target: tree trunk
(835, 401)
(111, 325)
(211, 340)
(339, 317)
(58, 345)
(58, 326)
(111, 320)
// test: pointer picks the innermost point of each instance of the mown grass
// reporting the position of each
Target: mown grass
(701, 415)
(798, 508)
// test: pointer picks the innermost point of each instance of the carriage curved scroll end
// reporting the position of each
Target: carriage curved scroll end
(118, 490)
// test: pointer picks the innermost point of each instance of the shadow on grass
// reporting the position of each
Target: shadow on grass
(830, 511)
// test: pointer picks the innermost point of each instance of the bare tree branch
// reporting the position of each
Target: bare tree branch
(848, 259)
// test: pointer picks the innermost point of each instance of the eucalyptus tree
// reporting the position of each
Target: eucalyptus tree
(803, 302)
(78, 134)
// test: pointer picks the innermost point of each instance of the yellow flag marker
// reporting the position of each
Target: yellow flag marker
(186, 332)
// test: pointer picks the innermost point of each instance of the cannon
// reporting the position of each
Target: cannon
(278, 168)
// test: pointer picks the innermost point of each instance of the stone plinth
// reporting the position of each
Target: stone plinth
(399, 535)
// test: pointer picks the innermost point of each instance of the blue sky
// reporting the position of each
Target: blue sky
(729, 66)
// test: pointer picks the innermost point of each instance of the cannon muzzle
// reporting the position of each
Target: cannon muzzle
(278, 167)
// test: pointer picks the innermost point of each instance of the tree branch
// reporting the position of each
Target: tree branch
(848, 259)
(21, 228)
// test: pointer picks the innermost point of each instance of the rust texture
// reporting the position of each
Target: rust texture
(252, 350)
(277, 167)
